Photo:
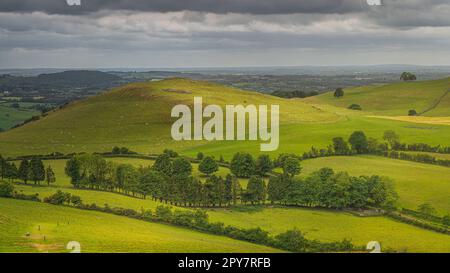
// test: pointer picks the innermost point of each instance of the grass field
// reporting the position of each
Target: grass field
(10, 116)
(52, 227)
(322, 225)
(394, 99)
(416, 183)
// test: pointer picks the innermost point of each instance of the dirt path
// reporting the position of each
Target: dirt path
(435, 104)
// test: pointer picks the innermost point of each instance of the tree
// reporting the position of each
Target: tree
(243, 165)
(412, 112)
(24, 170)
(263, 165)
(163, 164)
(182, 166)
(72, 170)
(37, 170)
(291, 166)
(339, 92)
(391, 137)
(358, 141)
(6, 189)
(408, 76)
(256, 190)
(340, 146)
(11, 171)
(4, 166)
(49, 175)
(236, 188)
(208, 166)
(200, 156)
(151, 183)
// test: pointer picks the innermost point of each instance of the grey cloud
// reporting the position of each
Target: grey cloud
(215, 6)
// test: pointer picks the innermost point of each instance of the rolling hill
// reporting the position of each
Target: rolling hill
(138, 116)
(428, 98)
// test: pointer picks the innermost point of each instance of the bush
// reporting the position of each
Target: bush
(58, 198)
(27, 197)
(355, 107)
(412, 112)
(6, 189)
(292, 240)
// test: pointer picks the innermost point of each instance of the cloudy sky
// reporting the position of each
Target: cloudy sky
(219, 33)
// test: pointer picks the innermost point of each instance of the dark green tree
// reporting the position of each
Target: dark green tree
(339, 92)
(182, 166)
(263, 165)
(291, 166)
(50, 176)
(243, 165)
(24, 170)
(208, 166)
(37, 170)
(358, 141)
(340, 146)
(72, 170)
(163, 164)
(256, 190)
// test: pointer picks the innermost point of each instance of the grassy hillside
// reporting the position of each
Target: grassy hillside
(137, 116)
(322, 225)
(416, 183)
(395, 99)
(52, 227)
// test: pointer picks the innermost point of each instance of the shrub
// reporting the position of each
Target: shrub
(412, 112)
(6, 189)
(355, 107)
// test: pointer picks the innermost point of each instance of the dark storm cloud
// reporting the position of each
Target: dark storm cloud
(215, 6)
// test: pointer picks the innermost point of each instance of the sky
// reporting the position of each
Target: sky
(222, 33)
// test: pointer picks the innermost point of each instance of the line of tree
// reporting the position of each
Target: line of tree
(294, 94)
(422, 158)
(29, 170)
(421, 147)
(170, 180)
(327, 189)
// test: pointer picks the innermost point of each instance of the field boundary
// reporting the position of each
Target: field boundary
(435, 103)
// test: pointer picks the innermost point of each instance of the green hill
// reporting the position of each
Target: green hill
(427, 97)
(52, 227)
(137, 116)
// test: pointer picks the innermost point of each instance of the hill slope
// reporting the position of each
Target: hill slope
(100, 232)
(137, 116)
(395, 99)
